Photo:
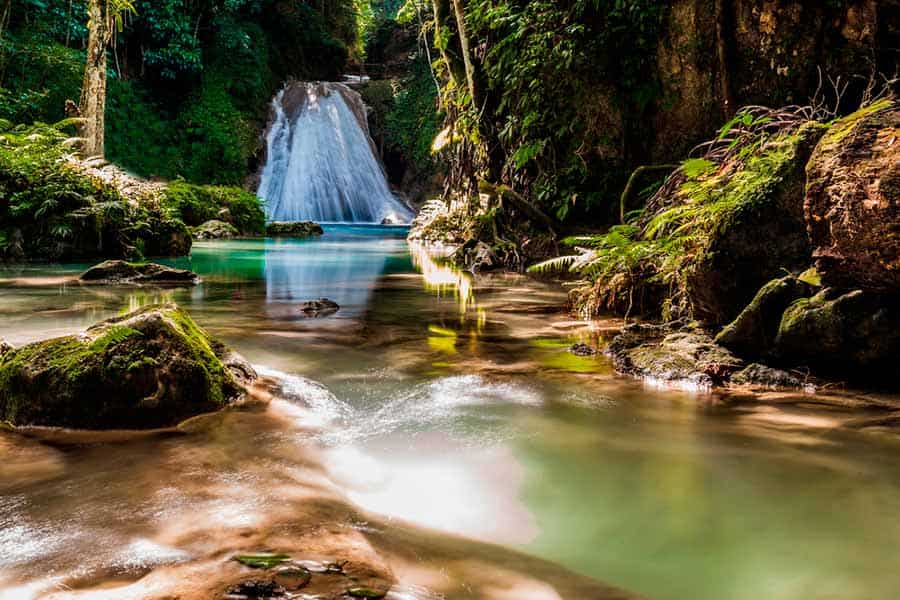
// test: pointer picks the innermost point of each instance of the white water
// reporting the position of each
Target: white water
(321, 165)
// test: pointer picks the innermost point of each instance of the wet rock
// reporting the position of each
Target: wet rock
(316, 309)
(215, 230)
(293, 229)
(762, 376)
(476, 256)
(255, 589)
(686, 356)
(120, 271)
(292, 577)
(4, 347)
(853, 201)
(582, 350)
(151, 368)
(853, 333)
(364, 592)
(753, 333)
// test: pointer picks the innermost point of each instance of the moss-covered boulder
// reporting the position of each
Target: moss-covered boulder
(151, 368)
(120, 271)
(753, 333)
(853, 200)
(756, 228)
(215, 230)
(854, 334)
(682, 356)
(302, 229)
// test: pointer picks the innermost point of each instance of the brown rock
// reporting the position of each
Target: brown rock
(852, 204)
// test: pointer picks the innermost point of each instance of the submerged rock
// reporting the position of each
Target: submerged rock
(120, 271)
(151, 368)
(753, 333)
(293, 229)
(853, 201)
(323, 307)
(255, 588)
(215, 230)
(582, 349)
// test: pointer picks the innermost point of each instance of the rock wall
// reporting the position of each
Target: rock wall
(765, 52)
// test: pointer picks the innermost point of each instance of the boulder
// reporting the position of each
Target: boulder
(323, 307)
(686, 356)
(758, 232)
(752, 334)
(151, 368)
(853, 201)
(856, 334)
(4, 347)
(120, 271)
(757, 375)
(215, 230)
(293, 229)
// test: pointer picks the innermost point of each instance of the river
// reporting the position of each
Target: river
(449, 415)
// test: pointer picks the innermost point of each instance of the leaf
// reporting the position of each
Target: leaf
(262, 560)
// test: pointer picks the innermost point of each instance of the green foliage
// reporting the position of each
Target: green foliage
(49, 209)
(196, 204)
(414, 121)
(548, 67)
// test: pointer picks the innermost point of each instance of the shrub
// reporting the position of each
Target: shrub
(196, 204)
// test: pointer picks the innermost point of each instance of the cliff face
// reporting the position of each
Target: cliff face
(716, 56)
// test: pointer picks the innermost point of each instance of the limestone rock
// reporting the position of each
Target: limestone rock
(151, 368)
(120, 271)
(293, 229)
(215, 230)
(853, 201)
(752, 334)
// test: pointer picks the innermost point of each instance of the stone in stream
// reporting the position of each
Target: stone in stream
(323, 307)
(293, 229)
(255, 588)
(215, 230)
(149, 369)
(120, 271)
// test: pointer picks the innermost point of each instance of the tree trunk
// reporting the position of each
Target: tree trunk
(455, 66)
(468, 62)
(93, 89)
(722, 32)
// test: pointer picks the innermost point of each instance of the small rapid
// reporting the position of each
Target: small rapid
(321, 163)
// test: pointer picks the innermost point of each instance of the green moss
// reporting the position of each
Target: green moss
(151, 368)
(842, 128)
(196, 204)
(262, 561)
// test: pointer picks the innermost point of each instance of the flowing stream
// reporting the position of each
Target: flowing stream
(321, 164)
(459, 437)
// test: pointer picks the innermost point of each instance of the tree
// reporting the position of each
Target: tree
(104, 16)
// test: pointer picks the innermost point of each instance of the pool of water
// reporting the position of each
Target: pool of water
(450, 405)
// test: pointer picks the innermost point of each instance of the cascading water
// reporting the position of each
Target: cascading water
(321, 163)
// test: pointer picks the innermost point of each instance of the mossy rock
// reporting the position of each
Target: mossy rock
(151, 368)
(854, 334)
(682, 356)
(756, 228)
(752, 334)
(120, 271)
(215, 230)
(302, 229)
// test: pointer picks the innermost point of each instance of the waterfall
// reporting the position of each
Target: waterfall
(321, 163)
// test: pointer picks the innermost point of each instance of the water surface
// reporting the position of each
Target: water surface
(452, 405)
